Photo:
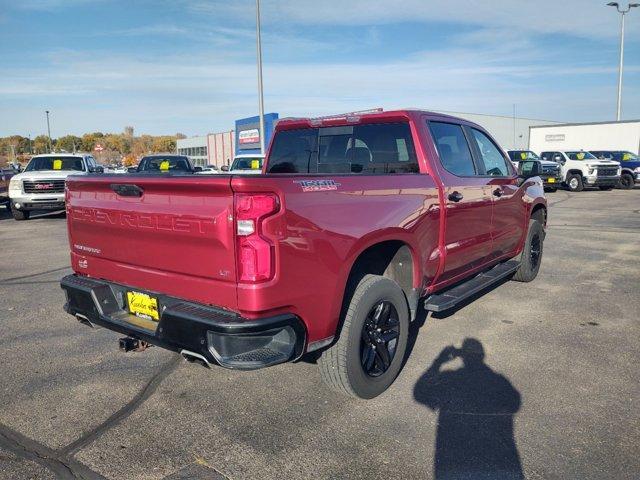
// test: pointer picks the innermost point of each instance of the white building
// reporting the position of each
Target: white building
(624, 135)
(211, 149)
(195, 148)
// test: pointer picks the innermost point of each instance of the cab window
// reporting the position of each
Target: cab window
(495, 164)
(453, 149)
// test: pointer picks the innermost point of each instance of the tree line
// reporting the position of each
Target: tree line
(115, 146)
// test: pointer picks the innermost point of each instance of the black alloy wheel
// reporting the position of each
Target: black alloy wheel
(535, 250)
(380, 334)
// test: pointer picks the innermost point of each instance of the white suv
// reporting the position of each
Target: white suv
(41, 185)
(580, 169)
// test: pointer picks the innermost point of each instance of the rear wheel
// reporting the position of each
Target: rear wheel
(369, 353)
(574, 182)
(531, 256)
(20, 214)
(626, 181)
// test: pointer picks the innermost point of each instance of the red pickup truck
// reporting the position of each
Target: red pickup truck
(355, 219)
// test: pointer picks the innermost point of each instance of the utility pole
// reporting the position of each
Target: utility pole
(260, 92)
(620, 67)
(49, 131)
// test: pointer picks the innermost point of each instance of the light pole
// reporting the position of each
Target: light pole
(260, 94)
(48, 131)
(623, 13)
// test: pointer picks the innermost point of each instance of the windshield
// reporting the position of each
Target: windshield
(247, 163)
(580, 156)
(519, 155)
(55, 163)
(164, 164)
(624, 157)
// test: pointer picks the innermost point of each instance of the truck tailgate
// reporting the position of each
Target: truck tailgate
(170, 234)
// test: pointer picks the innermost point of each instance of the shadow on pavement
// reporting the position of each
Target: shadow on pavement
(476, 407)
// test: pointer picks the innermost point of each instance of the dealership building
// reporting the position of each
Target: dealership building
(219, 148)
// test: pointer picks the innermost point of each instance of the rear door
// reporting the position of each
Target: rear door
(468, 202)
(171, 234)
(509, 210)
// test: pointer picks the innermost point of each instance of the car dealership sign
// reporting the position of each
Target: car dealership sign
(249, 136)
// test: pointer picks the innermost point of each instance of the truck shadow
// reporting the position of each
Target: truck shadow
(476, 408)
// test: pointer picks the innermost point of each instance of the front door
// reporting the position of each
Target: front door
(509, 210)
(468, 243)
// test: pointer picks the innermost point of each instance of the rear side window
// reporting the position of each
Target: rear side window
(494, 163)
(453, 148)
(371, 149)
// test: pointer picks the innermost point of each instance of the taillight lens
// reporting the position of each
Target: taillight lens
(254, 252)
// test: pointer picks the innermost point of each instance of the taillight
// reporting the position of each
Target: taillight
(254, 252)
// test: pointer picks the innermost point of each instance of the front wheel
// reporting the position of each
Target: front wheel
(370, 350)
(574, 182)
(20, 214)
(531, 256)
(626, 181)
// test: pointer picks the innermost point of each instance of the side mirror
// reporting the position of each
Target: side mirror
(558, 159)
(96, 169)
(197, 169)
(224, 168)
(132, 170)
(529, 168)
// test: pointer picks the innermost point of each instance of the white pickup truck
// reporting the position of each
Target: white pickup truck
(41, 185)
(580, 169)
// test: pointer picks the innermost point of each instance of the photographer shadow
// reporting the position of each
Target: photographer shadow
(476, 407)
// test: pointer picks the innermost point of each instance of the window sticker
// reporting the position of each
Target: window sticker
(164, 165)
(57, 164)
(626, 157)
(255, 164)
(580, 156)
(523, 155)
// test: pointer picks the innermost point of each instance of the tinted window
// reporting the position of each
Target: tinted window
(453, 148)
(247, 163)
(494, 163)
(164, 164)
(292, 151)
(373, 148)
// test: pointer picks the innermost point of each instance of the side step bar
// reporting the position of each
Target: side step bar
(440, 302)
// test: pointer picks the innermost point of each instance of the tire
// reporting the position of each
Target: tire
(530, 263)
(574, 183)
(20, 214)
(343, 365)
(605, 189)
(626, 181)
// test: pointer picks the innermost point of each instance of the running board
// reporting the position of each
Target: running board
(440, 302)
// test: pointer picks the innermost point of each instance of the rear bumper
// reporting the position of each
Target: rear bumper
(215, 335)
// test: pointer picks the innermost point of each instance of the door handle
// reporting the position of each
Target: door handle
(455, 196)
(498, 192)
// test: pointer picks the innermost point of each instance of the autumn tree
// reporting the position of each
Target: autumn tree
(69, 143)
(41, 144)
(164, 144)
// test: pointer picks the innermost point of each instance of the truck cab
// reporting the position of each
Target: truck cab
(41, 185)
(165, 163)
(580, 169)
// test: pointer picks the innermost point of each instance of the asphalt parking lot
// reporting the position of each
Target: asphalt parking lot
(559, 388)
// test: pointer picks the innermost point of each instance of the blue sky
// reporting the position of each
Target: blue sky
(189, 65)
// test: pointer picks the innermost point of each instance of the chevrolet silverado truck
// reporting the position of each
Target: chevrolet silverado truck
(629, 163)
(550, 175)
(581, 169)
(355, 220)
(41, 185)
